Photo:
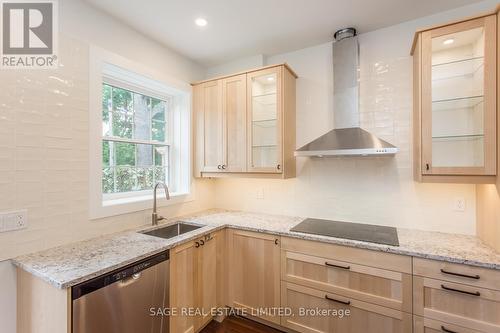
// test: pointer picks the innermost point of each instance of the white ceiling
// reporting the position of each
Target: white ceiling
(240, 28)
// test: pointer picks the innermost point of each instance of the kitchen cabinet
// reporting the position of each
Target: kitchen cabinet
(245, 124)
(193, 292)
(208, 123)
(375, 287)
(457, 294)
(254, 273)
(455, 102)
(362, 317)
(425, 325)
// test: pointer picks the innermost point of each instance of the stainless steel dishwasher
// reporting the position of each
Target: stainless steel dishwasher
(122, 301)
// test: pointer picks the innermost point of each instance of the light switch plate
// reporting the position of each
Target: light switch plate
(14, 220)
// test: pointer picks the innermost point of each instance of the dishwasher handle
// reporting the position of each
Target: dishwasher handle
(125, 275)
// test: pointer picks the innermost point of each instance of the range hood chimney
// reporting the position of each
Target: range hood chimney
(347, 138)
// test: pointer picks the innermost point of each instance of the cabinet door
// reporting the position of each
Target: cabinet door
(264, 109)
(235, 122)
(254, 273)
(183, 283)
(209, 126)
(319, 312)
(459, 99)
(206, 290)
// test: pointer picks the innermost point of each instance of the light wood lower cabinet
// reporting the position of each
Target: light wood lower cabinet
(383, 287)
(464, 305)
(334, 318)
(426, 325)
(193, 277)
(254, 273)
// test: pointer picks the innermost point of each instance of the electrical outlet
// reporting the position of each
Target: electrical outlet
(15, 220)
(459, 204)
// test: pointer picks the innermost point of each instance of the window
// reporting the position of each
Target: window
(135, 140)
(140, 130)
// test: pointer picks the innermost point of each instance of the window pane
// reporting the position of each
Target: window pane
(142, 108)
(122, 124)
(105, 153)
(161, 155)
(125, 179)
(144, 178)
(122, 100)
(106, 108)
(124, 153)
(107, 180)
(144, 154)
(158, 130)
(158, 108)
(160, 174)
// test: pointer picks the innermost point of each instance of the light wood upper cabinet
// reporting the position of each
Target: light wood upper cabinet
(209, 126)
(251, 132)
(234, 124)
(193, 283)
(455, 110)
(265, 120)
(254, 273)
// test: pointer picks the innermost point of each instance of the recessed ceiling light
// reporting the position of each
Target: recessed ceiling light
(201, 22)
(449, 41)
(270, 79)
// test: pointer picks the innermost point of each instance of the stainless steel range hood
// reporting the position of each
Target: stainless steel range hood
(347, 139)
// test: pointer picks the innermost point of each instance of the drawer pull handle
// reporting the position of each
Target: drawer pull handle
(477, 293)
(476, 277)
(444, 329)
(337, 300)
(337, 266)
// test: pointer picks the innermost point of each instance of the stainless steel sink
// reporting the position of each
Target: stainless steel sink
(173, 230)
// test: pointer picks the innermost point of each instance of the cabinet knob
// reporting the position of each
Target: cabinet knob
(219, 167)
(278, 166)
(276, 241)
(223, 167)
(427, 166)
(197, 244)
(202, 242)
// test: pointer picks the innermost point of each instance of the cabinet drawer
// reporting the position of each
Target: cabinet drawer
(474, 276)
(426, 325)
(374, 285)
(469, 306)
(363, 317)
(389, 261)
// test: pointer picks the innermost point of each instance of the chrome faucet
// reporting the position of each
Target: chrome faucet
(154, 217)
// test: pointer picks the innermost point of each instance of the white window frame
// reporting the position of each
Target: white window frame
(115, 70)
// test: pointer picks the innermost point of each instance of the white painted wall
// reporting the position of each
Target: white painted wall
(369, 190)
(44, 146)
(238, 65)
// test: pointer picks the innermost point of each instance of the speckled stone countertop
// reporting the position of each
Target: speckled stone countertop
(68, 265)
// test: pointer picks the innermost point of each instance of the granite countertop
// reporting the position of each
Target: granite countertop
(68, 265)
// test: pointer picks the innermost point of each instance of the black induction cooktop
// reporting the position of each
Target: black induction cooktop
(356, 231)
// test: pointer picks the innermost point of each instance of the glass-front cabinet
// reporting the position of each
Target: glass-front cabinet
(245, 124)
(455, 78)
(264, 126)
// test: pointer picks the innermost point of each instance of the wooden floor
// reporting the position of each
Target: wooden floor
(237, 325)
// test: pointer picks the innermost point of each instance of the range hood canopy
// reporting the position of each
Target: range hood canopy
(347, 138)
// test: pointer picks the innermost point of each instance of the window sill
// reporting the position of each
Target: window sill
(119, 206)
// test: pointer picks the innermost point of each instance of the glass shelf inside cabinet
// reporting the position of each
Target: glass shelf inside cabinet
(267, 99)
(457, 68)
(465, 137)
(458, 103)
